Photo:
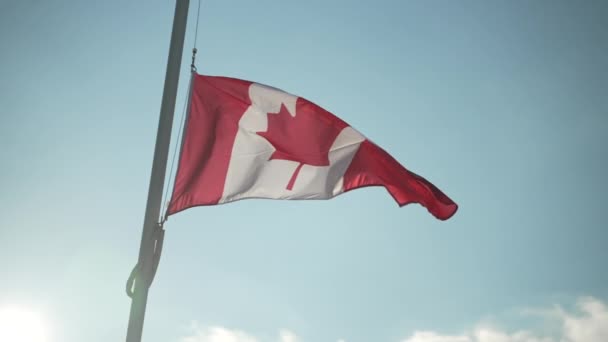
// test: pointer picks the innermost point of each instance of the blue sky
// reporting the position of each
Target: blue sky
(501, 104)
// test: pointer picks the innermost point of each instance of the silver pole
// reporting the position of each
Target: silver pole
(145, 267)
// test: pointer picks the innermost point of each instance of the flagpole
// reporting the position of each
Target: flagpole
(151, 239)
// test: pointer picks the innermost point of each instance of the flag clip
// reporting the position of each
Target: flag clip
(192, 66)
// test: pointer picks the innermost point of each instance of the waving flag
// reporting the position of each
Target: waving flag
(247, 140)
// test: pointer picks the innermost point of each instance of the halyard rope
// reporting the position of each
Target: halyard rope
(166, 200)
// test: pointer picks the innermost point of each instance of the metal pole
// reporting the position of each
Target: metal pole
(145, 267)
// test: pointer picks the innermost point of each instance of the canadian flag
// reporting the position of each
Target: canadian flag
(247, 140)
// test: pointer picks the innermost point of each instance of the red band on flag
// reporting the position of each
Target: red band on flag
(372, 166)
(216, 106)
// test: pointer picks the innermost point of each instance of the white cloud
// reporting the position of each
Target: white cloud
(287, 336)
(477, 335)
(217, 334)
(222, 334)
(495, 335)
(430, 336)
(589, 323)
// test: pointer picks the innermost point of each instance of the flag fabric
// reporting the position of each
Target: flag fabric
(247, 140)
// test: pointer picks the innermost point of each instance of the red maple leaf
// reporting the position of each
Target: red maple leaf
(304, 138)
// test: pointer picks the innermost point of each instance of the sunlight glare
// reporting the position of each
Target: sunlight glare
(21, 325)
